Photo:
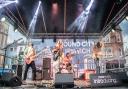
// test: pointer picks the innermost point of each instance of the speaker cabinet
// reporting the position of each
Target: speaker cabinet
(46, 63)
(64, 80)
(15, 81)
(9, 80)
(46, 68)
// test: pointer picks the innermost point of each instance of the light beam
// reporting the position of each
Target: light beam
(31, 28)
(4, 3)
(80, 22)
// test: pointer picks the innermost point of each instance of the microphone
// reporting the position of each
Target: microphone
(17, 40)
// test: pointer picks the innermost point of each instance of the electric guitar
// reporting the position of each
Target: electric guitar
(57, 54)
(30, 59)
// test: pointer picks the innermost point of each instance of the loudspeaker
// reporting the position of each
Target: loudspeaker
(46, 63)
(64, 80)
(9, 80)
(46, 68)
(15, 81)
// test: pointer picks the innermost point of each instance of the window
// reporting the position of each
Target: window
(11, 49)
(107, 39)
(21, 48)
(120, 52)
(108, 52)
(118, 37)
(15, 49)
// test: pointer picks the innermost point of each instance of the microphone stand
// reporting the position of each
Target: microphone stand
(5, 48)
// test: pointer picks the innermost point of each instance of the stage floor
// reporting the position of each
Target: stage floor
(48, 84)
(34, 87)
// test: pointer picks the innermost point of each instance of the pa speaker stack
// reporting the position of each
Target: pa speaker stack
(64, 80)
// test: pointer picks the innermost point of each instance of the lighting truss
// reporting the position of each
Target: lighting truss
(116, 20)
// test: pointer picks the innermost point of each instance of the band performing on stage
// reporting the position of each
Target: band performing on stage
(62, 63)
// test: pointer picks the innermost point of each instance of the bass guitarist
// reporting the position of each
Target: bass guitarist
(29, 56)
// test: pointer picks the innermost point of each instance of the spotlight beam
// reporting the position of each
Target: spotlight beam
(90, 5)
(31, 28)
(4, 3)
(80, 22)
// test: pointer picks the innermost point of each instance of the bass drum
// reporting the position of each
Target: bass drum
(66, 68)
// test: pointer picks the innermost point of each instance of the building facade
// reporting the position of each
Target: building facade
(113, 51)
(4, 27)
(15, 54)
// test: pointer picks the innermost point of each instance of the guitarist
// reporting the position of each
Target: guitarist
(29, 56)
(58, 57)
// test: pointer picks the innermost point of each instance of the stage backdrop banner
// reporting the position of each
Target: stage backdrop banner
(104, 80)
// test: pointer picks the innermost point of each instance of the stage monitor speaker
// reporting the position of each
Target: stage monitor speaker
(64, 80)
(8, 79)
(15, 81)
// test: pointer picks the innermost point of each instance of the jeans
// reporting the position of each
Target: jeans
(32, 65)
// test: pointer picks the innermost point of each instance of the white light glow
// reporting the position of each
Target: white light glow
(17, 1)
(3, 19)
(113, 30)
(126, 17)
(15, 30)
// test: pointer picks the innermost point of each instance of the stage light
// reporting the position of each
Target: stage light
(15, 30)
(39, 2)
(3, 19)
(55, 9)
(17, 1)
(113, 30)
(127, 18)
